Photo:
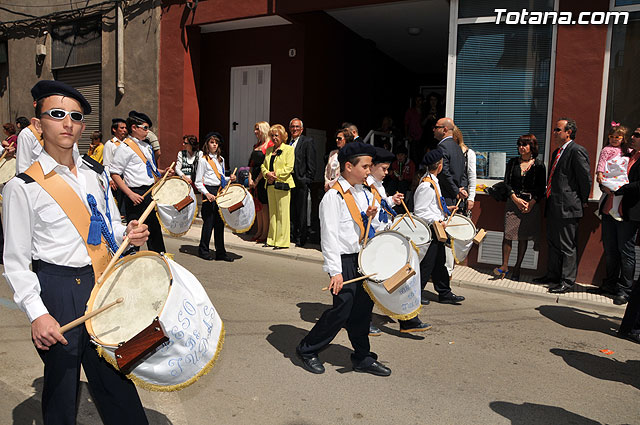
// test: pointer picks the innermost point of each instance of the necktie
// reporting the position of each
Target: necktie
(553, 168)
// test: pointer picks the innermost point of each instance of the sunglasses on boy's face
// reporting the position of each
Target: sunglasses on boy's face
(60, 114)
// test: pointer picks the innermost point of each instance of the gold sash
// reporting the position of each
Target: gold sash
(353, 208)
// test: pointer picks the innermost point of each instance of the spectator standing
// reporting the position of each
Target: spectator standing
(332, 170)
(304, 172)
(256, 185)
(21, 123)
(470, 170)
(188, 159)
(403, 170)
(10, 133)
(567, 193)
(277, 170)
(96, 147)
(453, 179)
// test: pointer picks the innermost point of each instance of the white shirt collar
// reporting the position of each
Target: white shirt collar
(448, 137)
(344, 183)
(566, 144)
(49, 164)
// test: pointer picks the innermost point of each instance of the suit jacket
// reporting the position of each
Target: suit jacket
(453, 175)
(570, 184)
(631, 194)
(282, 165)
(304, 169)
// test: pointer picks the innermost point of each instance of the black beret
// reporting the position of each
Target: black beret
(140, 117)
(432, 157)
(355, 149)
(214, 134)
(383, 156)
(46, 88)
(117, 121)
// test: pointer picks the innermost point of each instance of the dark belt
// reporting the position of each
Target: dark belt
(43, 266)
(350, 255)
(212, 189)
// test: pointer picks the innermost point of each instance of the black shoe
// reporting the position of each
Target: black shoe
(225, 258)
(515, 275)
(620, 299)
(451, 299)
(561, 288)
(207, 257)
(630, 336)
(416, 328)
(302, 243)
(374, 330)
(275, 248)
(424, 301)
(312, 364)
(374, 368)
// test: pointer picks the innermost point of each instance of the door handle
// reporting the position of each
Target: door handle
(235, 125)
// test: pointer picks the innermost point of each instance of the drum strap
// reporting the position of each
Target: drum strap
(37, 134)
(441, 200)
(212, 164)
(353, 208)
(150, 169)
(75, 209)
(376, 194)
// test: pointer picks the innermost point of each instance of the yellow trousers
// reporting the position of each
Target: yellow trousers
(279, 227)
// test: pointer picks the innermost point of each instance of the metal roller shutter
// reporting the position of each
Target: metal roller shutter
(88, 81)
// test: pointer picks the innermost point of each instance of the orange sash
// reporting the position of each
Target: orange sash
(353, 208)
(435, 187)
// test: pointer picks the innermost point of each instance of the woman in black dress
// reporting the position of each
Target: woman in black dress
(525, 178)
(259, 191)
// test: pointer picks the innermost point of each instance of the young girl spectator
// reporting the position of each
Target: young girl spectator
(188, 158)
(612, 165)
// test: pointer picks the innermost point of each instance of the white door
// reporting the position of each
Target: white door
(250, 100)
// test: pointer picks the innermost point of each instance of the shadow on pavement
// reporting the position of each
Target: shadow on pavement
(311, 312)
(575, 318)
(600, 367)
(531, 413)
(29, 412)
(193, 250)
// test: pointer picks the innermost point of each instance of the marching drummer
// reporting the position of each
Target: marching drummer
(342, 230)
(62, 227)
(209, 179)
(134, 160)
(379, 170)
(431, 206)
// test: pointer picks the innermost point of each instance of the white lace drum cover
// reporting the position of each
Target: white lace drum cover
(237, 208)
(154, 286)
(7, 170)
(420, 234)
(385, 254)
(461, 231)
(175, 219)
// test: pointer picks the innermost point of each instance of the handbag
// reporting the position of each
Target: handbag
(281, 186)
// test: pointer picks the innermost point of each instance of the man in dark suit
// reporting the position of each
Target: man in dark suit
(304, 171)
(567, 193)
(453, 178)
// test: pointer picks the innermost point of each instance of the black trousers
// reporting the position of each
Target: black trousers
(562, 238)
(631, 320)
(433, 266)
(299, 195)
(155, 242)
(120, 198)
(211, 221)
(352, 310)
(65, 292)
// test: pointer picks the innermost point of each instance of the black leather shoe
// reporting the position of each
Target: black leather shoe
(561, 288)
(374, 330)
(451, 299)
(312, 364)
(207, 257)
(620, 299)
(424, 301)
(374, 368)
(416, 328)
(225, 258)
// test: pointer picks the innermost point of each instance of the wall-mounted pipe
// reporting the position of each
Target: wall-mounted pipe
(120, 49)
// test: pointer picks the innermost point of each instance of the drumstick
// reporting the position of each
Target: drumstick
(459, 224)
(159, 182)
(398, 221)
(229, 184)
(407, 210)
(366, 233)
(354, 280)
(451, 214)
(82, 319)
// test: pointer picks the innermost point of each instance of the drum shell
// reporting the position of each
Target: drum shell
(384, 254)
(238, 214)
(174, 220)
(421, 237)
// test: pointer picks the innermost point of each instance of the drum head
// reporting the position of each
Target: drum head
(234, 195)
(461, 228)
(420, 234)
(7, 170)
(144, 281)
(385, 254)
(172, 191)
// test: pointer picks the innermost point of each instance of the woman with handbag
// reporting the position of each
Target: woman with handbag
(525, 181)
(277, 170)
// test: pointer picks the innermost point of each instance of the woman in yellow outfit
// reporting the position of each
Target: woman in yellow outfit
(277, 170)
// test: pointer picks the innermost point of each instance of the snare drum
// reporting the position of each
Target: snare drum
(461, 232)
(236, 208)
(385, 254)
(7, 170)
(420, 234)
(176, 205)
(154, 286)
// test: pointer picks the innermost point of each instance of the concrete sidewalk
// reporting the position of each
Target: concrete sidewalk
(462, 276)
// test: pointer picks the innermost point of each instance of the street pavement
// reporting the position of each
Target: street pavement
(498, 358)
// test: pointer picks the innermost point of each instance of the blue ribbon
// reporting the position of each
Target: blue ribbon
(445, 209)
(365, 221)
(223, 181)
(385, 210)
(99, 227)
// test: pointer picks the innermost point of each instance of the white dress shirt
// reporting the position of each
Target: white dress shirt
(339, 232)
(471, 174)
(376, 223)
(294, 142)
(426, 202)
(28, 149)
(205, 174)
(332, 170)
(108, 152)
(127, 163)
(36, 227)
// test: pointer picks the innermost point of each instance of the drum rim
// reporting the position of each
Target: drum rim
(3, 163)
(469, 221)
(423, 222)
(155, 189)
(409, 248)
(244, 189)
(96, 289)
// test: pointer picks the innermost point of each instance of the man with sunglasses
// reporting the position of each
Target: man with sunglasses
(135, 161)
(49, 225)
(567, 193)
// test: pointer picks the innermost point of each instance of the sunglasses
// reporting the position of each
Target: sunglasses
(636, 135)
(339, 138)
(438, 126)
(557, 130)
(143, 127)
(60, 114)
(616, 137)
